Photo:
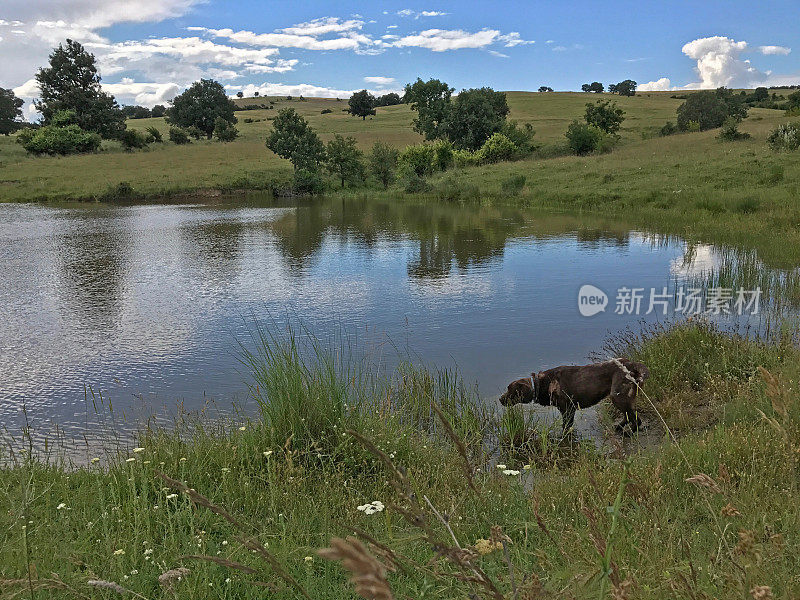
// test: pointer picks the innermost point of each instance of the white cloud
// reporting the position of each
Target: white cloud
(323, 26)
(349, 40)
(441, 40)
(771, 50)
(659, 85)
(307, 90)
(380, 81)
(407, 12)
(144, 94)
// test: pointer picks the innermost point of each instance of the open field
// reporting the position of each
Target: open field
(580, 522)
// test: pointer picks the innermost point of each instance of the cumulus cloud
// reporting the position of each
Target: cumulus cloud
(770, 50)
(659, 85)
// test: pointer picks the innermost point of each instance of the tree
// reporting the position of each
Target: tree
(71, 82)
(159, 110)
(225, 131)
(383, 163)
(10, 111)
(595, 87)
(200, 106)
(760, 94)
(361, 104)
(240, 94)
(473, 116)
(545, 88)
(293, 139)
(586, 88)
(431, 100)
(709, 109)
(343, 159)
(390, 99)
(583, 138)
(624, 88)
(605, 115)
(256, 94)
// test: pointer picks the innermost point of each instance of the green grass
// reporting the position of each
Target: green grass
(579, 521)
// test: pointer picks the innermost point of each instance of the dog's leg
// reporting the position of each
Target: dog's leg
(567, 408)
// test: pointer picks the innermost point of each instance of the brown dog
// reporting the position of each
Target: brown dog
(569, 388)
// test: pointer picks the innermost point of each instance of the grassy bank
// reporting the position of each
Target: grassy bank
(577, 522)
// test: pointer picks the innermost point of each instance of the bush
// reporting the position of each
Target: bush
(195, 132)
(417, 160)
(53, 139)
(179, 136)
(497, 148)
(465, 158)
(730, 131)
(785, 137)
(522, 137)
(154, 135)
(693, 126)
(605, 115)
(383, 163)
(710, 109)
(669, 128)
(307, 182)
(513, 184)
(132, 139)
(583, 138)
(121, 191)
(442, 155)
(326, 111)
(455, 190)
(224, 130)
(414, 184)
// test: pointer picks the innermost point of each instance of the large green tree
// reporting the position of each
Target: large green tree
(473, 116)
(624, 88)
(362, 104)
(292, 138)
(200, 106)
(72, 82)
(605, 115)
(10, 111)
(710, 108)
(431, 100)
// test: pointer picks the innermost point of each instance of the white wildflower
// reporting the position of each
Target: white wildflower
(510, 472)
(372, 507)
(502, 467)
(137, 450)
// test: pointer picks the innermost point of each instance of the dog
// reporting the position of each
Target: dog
(571, 387)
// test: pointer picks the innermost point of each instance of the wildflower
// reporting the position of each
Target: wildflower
(371, 508)
(148, 552)
(137, 450)
(61, 506)
(267, 454)
(183, 459)
(309, 559)
(484, 547)
(224, 542)
(95, 460)
(119, 552)
(511, 472)
(135, 572)
(502, 467)
(131, 459)
(171, 496)
(242, 428)
(226, 470)
(146, 462)
(527, 467)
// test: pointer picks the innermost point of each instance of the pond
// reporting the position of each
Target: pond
(145, 306)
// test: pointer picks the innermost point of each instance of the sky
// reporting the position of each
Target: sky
(150, 50)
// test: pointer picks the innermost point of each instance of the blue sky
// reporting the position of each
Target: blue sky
(151, 49)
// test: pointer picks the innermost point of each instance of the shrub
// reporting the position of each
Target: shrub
(417, 160)
(307, 182)
(53, 139)
(455, 190)
(669, 128)
(710, 109)
(195, 132)
(179, 136)
(414, 184)
(154, 135)
(693, 126)
(521, 136)
(224, 130)
(785, 137)
(497, 148)
(383, 163)
(583, 138)
(730, 131)
(132, 139)
(605, 115)
(513, 184)
(326, 111)
(121, 191)
(465, 158)
(442, 155)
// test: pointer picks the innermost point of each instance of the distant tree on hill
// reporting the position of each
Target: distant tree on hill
(473, 116)
(760, 94)
(595, 87)
(545, 88)
(431, 100)
(710, 108)
(71, 83)
(361, 104)
(256, 94)
(137, 112)
(200, 106)
(10, 111)
(293, 139)
(390, 99)
(624, 88)
(159, 110)
(240, 94)
(605, 115)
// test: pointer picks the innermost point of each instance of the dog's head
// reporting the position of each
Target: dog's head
(518, 392)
